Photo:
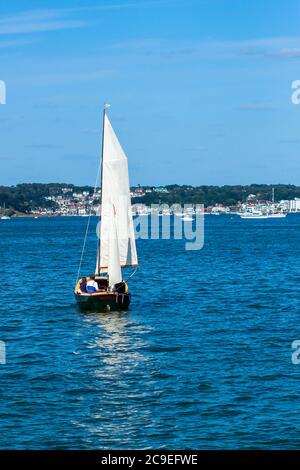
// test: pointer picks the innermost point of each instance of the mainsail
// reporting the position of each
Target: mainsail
(115, 203)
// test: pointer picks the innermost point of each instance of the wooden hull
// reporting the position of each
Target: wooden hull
(103, 302)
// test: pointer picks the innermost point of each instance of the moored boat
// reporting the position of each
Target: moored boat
(261, 215)
(277, 215)
(187, 218)
(253, 215)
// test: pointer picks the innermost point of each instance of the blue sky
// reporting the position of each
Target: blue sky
(200, 89)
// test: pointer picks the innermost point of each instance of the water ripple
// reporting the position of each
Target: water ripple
(202, 359)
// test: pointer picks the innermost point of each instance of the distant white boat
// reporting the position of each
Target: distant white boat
(187, 218)
(277, 215)
(253, 216)
(5, 217)
(261, 215)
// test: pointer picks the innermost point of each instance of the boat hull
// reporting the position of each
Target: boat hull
(252, 217)
(267, 216)
(103, 302)
(277, 216)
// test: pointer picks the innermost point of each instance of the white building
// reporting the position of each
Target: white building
(284, 205)
(218, 209)
(295, 205)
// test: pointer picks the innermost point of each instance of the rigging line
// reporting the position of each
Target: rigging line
(132, 274)
(88, 224)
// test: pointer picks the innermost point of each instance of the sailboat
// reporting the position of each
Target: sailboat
(105, 289)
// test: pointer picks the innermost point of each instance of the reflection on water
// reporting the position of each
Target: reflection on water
(119, 341)
(120, 347)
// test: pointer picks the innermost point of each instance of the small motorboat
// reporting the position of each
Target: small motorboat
(187, 218)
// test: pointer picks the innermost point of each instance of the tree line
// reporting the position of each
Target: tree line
(31, 196)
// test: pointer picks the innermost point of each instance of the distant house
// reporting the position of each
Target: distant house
(65, 190)
(160, 189)
(78, 195)
(220, 209)
(138, 192)
(295, 205)
(284, 204)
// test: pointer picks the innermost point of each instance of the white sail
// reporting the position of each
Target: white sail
(114, 268)
(116, 195)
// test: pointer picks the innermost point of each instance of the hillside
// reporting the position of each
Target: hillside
(31, 197)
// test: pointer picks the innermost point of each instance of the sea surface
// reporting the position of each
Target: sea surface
(201, 361)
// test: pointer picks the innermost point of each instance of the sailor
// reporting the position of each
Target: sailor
(91, 286)
(82, 286)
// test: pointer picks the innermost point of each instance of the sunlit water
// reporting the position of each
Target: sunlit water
(201, 360)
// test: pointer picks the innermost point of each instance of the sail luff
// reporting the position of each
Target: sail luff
(101, 183)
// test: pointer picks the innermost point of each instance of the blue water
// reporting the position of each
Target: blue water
(202, 359)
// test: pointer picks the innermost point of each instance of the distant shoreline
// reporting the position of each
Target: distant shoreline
(58, 199)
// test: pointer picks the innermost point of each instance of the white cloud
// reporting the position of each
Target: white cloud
(281, 47)
(37, 21)
(12, 43)
(42, 20)
(273, 47)
(256, 107)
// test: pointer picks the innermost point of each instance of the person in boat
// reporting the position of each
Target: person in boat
(120, 287)
(82, 286)
(91, 286)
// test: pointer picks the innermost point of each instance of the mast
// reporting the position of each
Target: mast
(273, 195)
(101, 180)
